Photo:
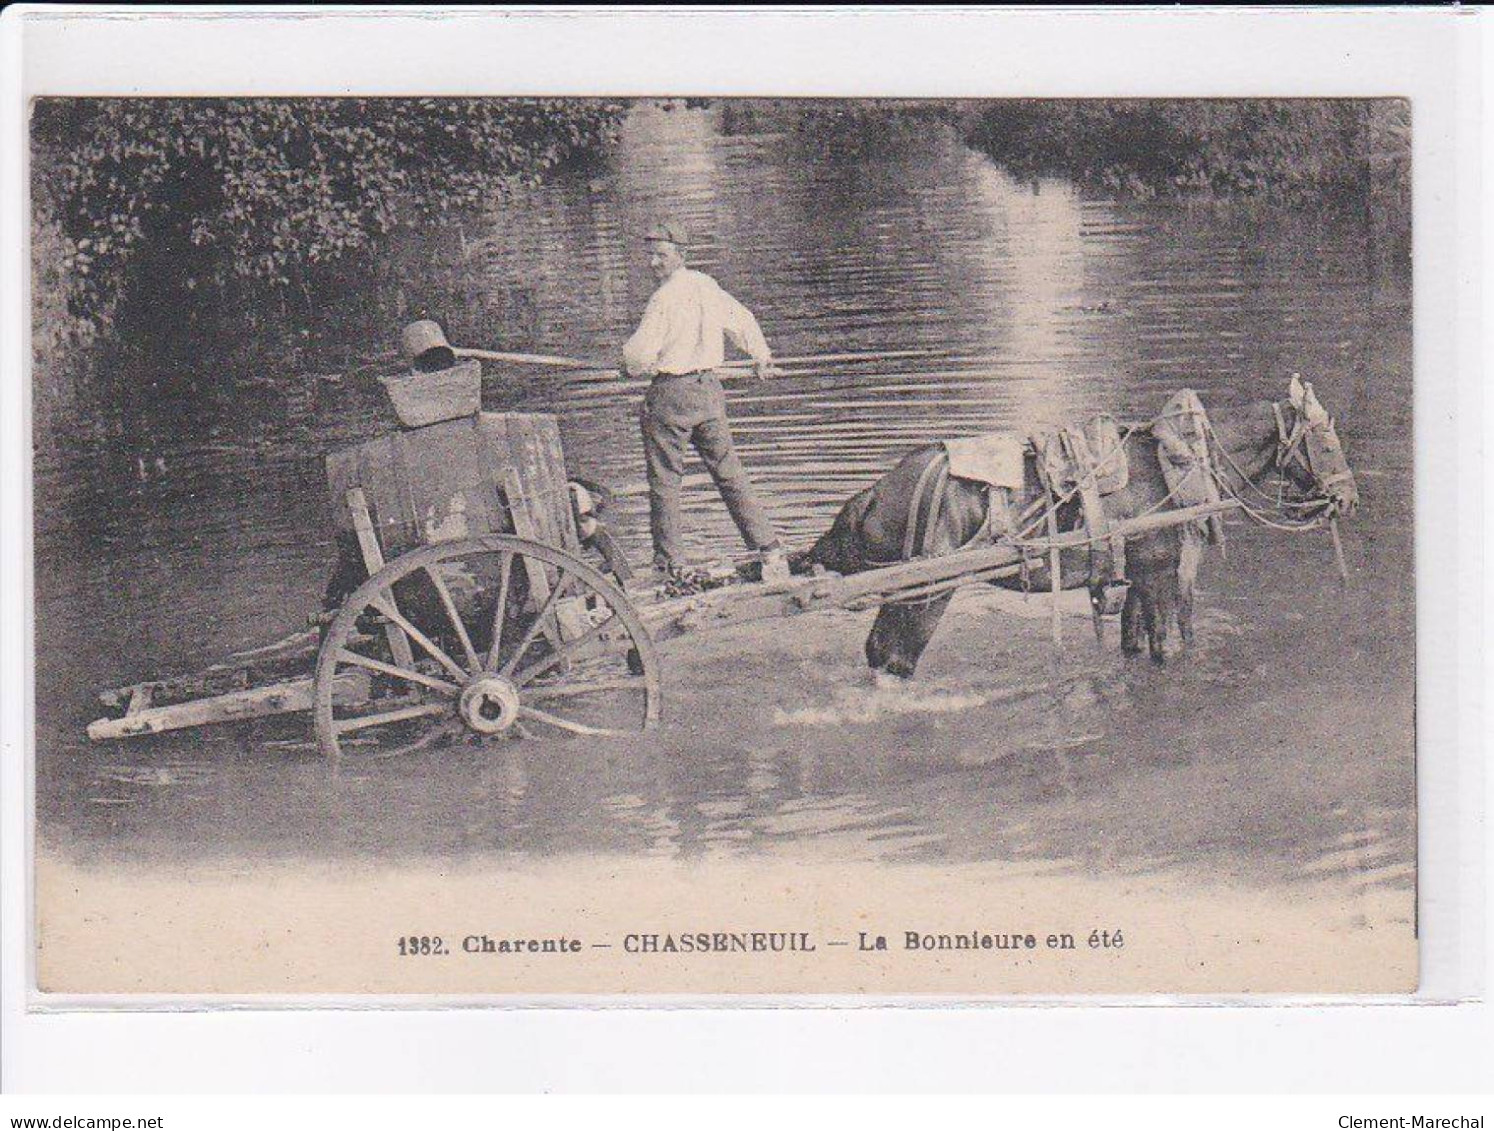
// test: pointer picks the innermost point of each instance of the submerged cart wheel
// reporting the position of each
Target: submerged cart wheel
(480, 641)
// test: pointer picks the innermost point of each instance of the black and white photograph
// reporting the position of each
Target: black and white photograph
(507, 546)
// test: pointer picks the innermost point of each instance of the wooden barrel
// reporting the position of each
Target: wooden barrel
(492, 473)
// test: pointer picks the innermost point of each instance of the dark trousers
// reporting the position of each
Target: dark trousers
(692, 408)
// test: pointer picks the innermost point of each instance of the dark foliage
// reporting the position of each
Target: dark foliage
(844, 128)
(1279, 149)
(273, 191)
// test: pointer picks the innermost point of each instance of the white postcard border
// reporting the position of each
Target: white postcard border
(1426, 55)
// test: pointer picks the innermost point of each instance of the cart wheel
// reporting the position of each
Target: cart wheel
(482, 640)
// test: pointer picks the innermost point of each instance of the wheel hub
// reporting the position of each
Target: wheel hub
(489, 704)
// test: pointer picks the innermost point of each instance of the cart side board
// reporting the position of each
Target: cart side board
(447, 481)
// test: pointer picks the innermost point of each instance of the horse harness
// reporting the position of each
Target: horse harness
(1307, 435)
(1089, 461)
(1183, 436)
(927, 506)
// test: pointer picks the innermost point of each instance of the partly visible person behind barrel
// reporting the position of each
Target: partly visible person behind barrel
(679, 344)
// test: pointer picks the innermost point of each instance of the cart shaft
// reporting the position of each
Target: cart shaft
(251, 703)
(905, 580)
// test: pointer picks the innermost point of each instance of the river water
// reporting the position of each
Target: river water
(1279, 749)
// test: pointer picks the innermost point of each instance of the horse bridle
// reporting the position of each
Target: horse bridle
(1301, 435)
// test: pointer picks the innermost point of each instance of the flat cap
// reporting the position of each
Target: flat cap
(670, 231)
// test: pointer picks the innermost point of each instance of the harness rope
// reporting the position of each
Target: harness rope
(1286, 445)
(1046, 506)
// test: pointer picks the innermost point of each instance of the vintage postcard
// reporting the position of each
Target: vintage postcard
(500, 547)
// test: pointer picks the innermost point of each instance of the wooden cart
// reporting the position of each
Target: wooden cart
(481, 618)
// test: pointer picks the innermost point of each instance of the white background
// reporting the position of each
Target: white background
(1431, 57)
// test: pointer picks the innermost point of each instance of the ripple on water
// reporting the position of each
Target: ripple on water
(161, 552)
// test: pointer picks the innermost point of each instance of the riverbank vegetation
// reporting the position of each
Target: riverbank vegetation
(1335, 153)
(156, 208)
(1341, 151)
(1348, 159)
(202, 217)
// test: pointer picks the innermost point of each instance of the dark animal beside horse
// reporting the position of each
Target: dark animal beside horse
(1295, 438)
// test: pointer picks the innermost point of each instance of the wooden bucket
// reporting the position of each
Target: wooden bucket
(429, 398)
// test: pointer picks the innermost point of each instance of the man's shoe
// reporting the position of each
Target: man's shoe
(775, 565)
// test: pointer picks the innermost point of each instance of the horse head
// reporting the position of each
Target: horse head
(1309, 453)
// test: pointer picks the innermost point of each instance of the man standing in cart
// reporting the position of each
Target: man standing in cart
(679, 344)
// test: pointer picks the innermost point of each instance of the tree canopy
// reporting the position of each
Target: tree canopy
(274, 189)
(1281, 149)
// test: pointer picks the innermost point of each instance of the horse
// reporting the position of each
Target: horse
(1294, 438)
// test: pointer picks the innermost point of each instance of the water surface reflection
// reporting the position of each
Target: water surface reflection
(1282, 746)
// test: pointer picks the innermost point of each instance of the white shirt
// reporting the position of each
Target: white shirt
(683, 324)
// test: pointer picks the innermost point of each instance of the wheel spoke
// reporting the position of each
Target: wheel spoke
(347, 657)
(432, 649)
(561, 586)
(434, 573)
(361, 722)
(505, 569)
(446, 728)
(547, 670)
(560, 655)
(571, 689)
(566, 724)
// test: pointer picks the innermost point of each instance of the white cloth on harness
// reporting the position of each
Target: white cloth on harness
(1090, 462)
(1182, 434)
(995, 458)
(1091, 457)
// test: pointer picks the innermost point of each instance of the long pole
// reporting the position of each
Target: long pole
(547, 360)
(923, 577)
(1055, 574)
(633, 490)
(560, 361)
(1338, 552)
